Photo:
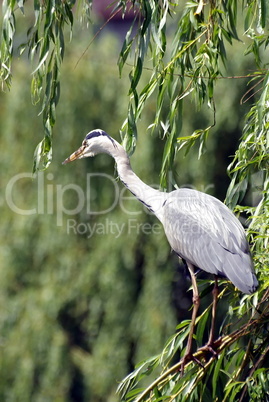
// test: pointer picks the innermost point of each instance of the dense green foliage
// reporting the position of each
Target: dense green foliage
(193, 65)
(82, 305)
(76, 311)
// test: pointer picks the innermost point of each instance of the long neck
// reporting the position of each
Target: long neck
(153, 199)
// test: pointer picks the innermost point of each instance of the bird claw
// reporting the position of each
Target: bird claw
(209, 348)
(186, 359)
(190, 357)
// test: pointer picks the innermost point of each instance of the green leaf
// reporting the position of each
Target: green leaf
(216, 376)
(263, 8)
(41, 62)
(200, 330)
(147, 16)
(137, 74)
(69, 13)
(20, 5)
(125, 50)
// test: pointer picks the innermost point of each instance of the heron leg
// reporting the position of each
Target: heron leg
(209, 346)
(196, 304)
(215, 293)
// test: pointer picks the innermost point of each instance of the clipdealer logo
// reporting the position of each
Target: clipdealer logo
(52, 199)
(107, 226)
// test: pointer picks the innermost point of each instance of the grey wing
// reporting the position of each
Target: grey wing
(203, 231)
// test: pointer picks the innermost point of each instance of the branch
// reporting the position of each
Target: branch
(202, 354)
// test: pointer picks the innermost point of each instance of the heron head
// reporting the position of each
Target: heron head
(95, 142)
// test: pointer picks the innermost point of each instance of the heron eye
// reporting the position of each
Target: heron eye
(84, 143)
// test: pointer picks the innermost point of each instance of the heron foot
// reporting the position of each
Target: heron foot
(186, 359)
(207, 349)
(210, 349)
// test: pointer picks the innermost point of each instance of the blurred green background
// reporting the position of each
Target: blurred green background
(78, 311)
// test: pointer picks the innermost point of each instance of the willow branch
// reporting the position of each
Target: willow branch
(201, 354)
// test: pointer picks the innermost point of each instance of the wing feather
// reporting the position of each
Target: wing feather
(203, 231)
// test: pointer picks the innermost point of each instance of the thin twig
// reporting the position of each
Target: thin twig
(243, 100)
(205, 77)
(97, 33)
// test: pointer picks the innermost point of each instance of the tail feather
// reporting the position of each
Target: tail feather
(239, 270)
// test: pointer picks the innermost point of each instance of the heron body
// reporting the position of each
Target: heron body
(199, 227)
(205, 233)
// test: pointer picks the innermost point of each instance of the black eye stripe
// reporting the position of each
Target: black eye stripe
(95, 133)
(98, 133)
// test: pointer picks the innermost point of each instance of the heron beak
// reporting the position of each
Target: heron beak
(76, 155)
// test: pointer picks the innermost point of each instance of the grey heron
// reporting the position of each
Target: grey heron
(200, 228)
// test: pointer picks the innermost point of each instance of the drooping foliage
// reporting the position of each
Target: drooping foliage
(178, 54)
(82, 301)
(194, 64)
